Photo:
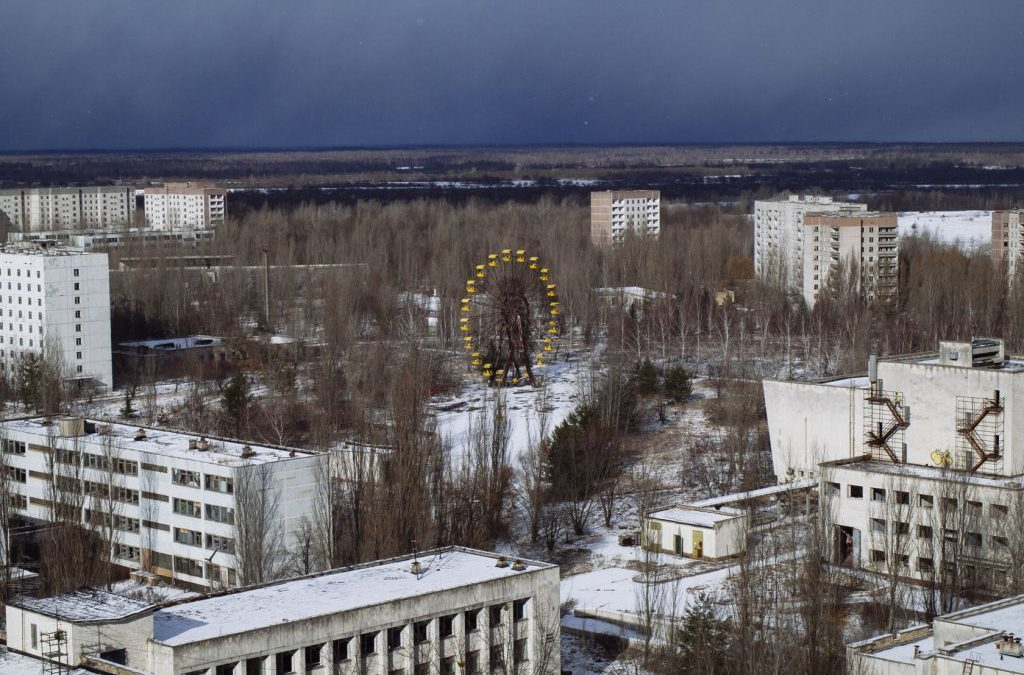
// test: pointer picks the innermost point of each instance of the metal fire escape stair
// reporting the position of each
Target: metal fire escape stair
(880, 439)
(991, 407)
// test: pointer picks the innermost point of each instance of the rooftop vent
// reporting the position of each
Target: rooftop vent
(518, 565)
(193, 444)
(203, 445)
(71, 426)
(502, 562)
(103, 430)
(416, 568)
(247, 451)
(978, 353)
(140, 435)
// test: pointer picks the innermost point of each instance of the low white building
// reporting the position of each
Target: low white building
(446, 611)
(697, 532)
(174, 497)
(983, 640)
(56, 298)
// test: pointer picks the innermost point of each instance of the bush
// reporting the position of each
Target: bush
(678, 386)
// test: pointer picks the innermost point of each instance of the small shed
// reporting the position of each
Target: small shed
(697, 532)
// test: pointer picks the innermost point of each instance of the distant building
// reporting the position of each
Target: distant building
(58, 208)
(779, 236)
(1008, 239)
(864, 243)
(56, 298)
(983, 639)
(190, 205)
(613, 213)
(450, 610)
(177, 494)
(98, 240)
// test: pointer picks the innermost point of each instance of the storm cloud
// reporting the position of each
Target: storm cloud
(115, 74)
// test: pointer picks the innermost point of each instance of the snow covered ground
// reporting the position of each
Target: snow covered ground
(971, 230)
(460, 419)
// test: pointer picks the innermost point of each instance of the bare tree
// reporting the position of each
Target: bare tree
(259, 547)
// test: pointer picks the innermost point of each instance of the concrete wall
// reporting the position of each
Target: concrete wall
(131, 635)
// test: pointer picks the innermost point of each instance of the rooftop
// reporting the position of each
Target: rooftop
(12, 663)
(685, 515)
(84, 605)
(160, 442)
(925, 471)
(328, 593)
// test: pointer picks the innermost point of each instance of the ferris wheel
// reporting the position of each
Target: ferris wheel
(510, 318)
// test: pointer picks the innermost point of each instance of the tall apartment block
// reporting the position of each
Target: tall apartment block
(779, 236)
(191, 205)
(866, 242)
(56, 298)
(1008, 238)
(177, 500)
(55, 208)
(613, 213)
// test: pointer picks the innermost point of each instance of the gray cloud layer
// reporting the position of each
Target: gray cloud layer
(252, 73)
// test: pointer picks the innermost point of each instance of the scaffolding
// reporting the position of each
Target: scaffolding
(55, 652)
(979, 434)
(884, 423)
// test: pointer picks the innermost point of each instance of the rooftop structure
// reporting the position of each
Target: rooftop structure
(55, 304)
(411, 613)
(613, 213)
(779, 236)
(982, 639)
(179, 496)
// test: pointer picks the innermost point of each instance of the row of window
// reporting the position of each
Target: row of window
(217, 514)
(926, 565)
(973, 539)
(369, 644)
(210, 541)
(924, 501)
(210, 481)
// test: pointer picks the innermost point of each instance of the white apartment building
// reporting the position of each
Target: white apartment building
(99, 240)
(190, 205)
(175, 495)
(56, 299)
(451, 610)
(615, 212)
(918, 464)
(779, 236)
(983, 640)
(1008, 239)
(863, 245)
(56, 208)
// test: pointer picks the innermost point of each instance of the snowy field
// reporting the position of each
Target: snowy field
(460, 419)
(970, 230)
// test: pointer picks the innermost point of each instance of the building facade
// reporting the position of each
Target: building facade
(862, 248)
(1008, 239)
(445, 611)
(101, 240)
(779, 236)
(56, 299)
(55, 208)
(190, 205)
(173, 497)
(613, 213)
(697, 532)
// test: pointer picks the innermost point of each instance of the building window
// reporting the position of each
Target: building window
(473, 662)
(313, 655)
(833, 488)
(76, 274)
(924, 532)
(901, 527)
(877, 494)
(1001, 543)
(949, 503)
(519, 610)
(878, 526)
(339, 649)
(13, 447)
(926, 501)
(222, 544)
(519, 651)
(220, 514)
(472, 619)
(419, 632)
(448, 665)
(185, 478)
(219, 483)
(972, 539)
(856, 492)
(902, 497)
(494, 614)
(184, 507)
(877, 556)
(394, 638)
(77, 288)
(999, 510)
(193, 568)
(188, 537)
(447, 625)
(497, 656)
(283, 661)
(368, 643)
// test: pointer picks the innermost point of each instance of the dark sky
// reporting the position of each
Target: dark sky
(250, 73)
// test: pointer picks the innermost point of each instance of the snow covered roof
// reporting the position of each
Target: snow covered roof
(174, 344)
(696, 517)
(12, 663)
(327, 594)
(160, 442)
(86, 605)
(924, 471)
(803, 484)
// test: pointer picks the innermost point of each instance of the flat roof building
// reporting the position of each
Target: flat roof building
(192, 205)
(181, 499)
(779, 236)
(613, 213)
(412, 614)
(697, 532)
(861, 248)
(55, 304)
(57, 208)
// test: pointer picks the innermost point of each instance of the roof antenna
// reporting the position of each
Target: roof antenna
(416, 568)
